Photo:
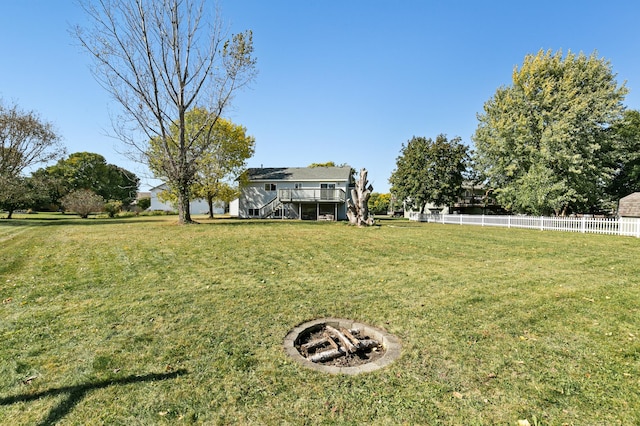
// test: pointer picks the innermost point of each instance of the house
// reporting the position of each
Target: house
(140, 195)
(475, 199)
(629, 206)
(197, 206)
(308, 193)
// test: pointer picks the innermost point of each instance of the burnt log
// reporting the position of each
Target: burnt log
(351, 337)
(346, 343)
(327, 355)
(315, 344)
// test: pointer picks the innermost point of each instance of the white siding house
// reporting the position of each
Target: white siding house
(309, 193)
(198, 206)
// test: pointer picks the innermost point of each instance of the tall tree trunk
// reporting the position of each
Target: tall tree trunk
(357, 206)
(210, 203)
(184, 209)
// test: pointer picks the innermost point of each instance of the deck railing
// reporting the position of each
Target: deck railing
(311, 195)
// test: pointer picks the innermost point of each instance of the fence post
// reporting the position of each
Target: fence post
(542, 223)
(583, 225)
(619, 226)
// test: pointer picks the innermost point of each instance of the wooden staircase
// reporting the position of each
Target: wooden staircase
(270, 208)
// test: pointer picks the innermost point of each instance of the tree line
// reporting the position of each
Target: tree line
(80, 181)
(85, 183)
(27, 141)
(557, 141)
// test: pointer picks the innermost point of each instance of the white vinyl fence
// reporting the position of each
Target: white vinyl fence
(623, 226)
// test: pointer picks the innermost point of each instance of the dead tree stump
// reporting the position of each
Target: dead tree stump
(357, 205)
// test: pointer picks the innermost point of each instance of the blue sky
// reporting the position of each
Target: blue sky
(343, 81)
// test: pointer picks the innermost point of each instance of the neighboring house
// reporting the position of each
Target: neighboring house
(474, 200)
(197, 206)
(308, 193)
(141, 195)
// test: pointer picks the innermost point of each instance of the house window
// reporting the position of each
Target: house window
(297, 185)
(270, 187)
(327, 191)
(254, 212)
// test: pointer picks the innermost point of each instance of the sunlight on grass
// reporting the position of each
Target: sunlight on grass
(497, 325)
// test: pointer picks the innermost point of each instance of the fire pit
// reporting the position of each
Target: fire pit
(335, 345)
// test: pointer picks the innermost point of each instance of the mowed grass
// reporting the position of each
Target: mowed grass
(139, 321)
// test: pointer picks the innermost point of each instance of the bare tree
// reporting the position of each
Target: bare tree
(159, 59)
(25, 141)
(83, 202)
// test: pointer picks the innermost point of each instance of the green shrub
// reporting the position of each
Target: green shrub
(113, 207)
(144, 203)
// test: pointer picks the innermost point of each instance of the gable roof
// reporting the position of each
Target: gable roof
(298, 174)
(161, 187)
(630, 205)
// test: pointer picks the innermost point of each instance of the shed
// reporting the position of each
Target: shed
(629, 206)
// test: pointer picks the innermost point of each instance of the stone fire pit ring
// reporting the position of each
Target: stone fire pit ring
(390, 344)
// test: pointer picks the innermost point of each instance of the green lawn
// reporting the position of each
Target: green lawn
(139, 321)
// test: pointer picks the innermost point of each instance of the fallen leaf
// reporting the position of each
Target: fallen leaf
(524, 422)
(458, 395)
(29, 379)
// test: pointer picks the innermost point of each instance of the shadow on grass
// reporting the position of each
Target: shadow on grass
(70, 220)
(61, 220)
(266, 222)
(75, 394)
